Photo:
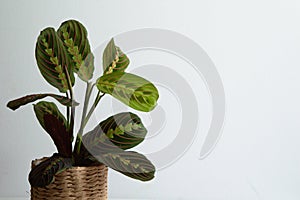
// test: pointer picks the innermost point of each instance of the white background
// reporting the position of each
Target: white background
(255, 46)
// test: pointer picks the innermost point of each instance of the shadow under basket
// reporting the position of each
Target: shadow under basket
(74, 183)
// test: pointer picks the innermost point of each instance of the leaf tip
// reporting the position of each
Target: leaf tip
(10, 106)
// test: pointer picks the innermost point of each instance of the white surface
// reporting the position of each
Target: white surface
(255, 46)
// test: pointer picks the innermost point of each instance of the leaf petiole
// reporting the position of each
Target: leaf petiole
(92, 109)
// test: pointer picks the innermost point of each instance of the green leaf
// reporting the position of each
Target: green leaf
(15, 104)
(44, 173)
(125, 130)
(98, 149)
(130, 89)
(56, 126)
(85, 72)
(114, 59)
(53, 61)
(74, 36)
(109, 54)
(129, 163)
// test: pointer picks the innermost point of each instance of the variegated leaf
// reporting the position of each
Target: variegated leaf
(53, 61)
(114, 59)
(44, 173)
(56, 126)
(130, 89)
(129, 163)
(98, 149)
(74, 36)
(15, 104)
(125, 130)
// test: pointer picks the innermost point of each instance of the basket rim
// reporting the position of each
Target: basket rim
(37, 161)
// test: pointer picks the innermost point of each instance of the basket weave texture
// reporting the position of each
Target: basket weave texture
(87, 183)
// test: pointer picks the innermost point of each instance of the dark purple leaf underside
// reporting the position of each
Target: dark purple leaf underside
(44, 173)
(60, 134)
(17, 103)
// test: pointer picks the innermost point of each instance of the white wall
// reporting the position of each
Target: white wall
(254, 45)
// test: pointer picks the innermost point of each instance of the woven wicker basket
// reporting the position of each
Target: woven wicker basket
(88, 183)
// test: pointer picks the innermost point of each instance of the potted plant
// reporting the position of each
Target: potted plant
(80, 172)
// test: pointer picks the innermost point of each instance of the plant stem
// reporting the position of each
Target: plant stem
(92, 109)
(85, 106)
(84, 111)
(68, 110)
(72, 99)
